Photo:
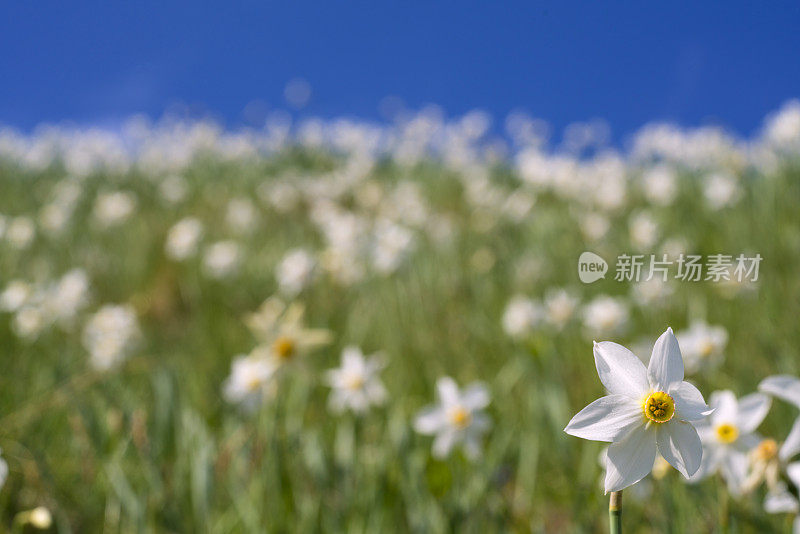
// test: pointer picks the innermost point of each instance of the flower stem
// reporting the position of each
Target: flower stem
(615, 512)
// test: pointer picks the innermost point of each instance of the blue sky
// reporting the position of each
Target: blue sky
(627, 62)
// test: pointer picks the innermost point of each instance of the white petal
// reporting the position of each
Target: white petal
(620, 371)
(791, 446)
(793, 472)
(630, 460)
(475, 396)
(689, 402)
(709, 464)
(666, 362)
(608, 418)
(782, 386)
(444, 443)
(430, 420)
(753, 409)
(448, 391)
(680, 445)
(734, 470)
(780, 502)
(725, 407)
(796, 525)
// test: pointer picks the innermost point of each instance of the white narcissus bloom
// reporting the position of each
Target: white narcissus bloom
(605, 315)
(458, 418)
(222, 258)
(660, 185)
(702, 346)
(183, 237)
(282, 334)
(769, 460)
(521, 316)
(356, 384)
(729, 435)
(295, 271)
(110, 334)
(721, 190)
(15, 295)
(249, 381)
(559, 307)
(648, 409)
(20, 232)
(114, 208)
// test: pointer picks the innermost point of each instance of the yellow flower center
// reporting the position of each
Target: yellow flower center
(727, 433)
(659, 407)
(706, 348)
(766, 450)
(253, 383)
(284, 347)
(354, 382)
(460, 417)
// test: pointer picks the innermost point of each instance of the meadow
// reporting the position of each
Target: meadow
(174, 296)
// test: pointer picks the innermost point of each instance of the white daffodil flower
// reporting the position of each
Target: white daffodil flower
(703, 346)
(780, 501)
(768, 460)
(729, 435)
(647, 410)
(458, 418)
(356, 385)
(250, 379)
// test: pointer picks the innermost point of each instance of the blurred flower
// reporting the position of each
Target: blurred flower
(654, 292)
(241, 215)
(605, 315)
(183, 238)
(281, 334)
(356, 384)
(644, 230)
(559, 307)
(594, 226)
(660, 185)
(458, 418)
(110, 335)
(728, 435)
(68, 296)
(20, 232)
(295, 271)
(721, 190)
(249, 381)
(703, 346)
(391, 245)
(173, 189)
(28, 322)
(222, 259)
(14, 295)
(111, 209)
(648, 409)
(521, 316)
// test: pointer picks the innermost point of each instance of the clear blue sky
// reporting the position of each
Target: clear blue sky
(724, 63)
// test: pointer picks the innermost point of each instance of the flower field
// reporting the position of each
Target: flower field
(337, 326)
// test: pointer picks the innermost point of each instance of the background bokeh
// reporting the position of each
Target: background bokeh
(166, 170)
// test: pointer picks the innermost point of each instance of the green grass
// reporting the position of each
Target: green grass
(153, 447)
